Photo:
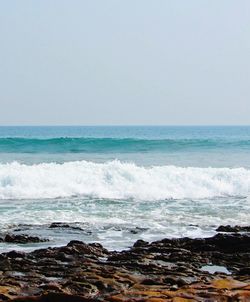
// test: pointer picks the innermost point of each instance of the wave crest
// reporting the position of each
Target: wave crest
(88, 145)
(118, 180)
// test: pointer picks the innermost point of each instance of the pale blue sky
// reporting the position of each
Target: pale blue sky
(124, 62)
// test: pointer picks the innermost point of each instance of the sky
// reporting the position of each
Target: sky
(114, 62)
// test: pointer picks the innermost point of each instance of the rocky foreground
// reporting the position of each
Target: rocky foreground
(167, 270)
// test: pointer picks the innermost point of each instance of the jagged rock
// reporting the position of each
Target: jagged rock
(164, 270)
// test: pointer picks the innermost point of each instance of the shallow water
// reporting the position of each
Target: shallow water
(212, 269)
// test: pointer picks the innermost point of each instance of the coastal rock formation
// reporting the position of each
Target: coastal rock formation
(62, 225)
(23, 239)
(233, 229)
(180, 270)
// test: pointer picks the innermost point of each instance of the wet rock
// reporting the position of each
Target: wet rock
(64, 257)
(54, 297)
(230, 243)
(3, 297)
(11, 238)
(140, 243)
(164, 270)
(15, 254)
(244, 271)
(63, 225)
(95, 249)
(137, 230)
(233, 229)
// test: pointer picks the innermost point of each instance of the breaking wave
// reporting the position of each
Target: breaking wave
(119, 180)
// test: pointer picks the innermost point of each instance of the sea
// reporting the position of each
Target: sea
(117, 184)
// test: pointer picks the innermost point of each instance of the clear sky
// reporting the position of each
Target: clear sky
(80, 62)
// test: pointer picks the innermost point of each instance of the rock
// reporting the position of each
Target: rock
(137, 230)
(140, 243)
(244, 271)
(54, 297)
(164, 270)
(230, 243)
(11, 238)
(89, 249)
(233, 229)
(63, 225)
(15, 254)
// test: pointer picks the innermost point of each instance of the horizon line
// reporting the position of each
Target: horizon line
(128, 125)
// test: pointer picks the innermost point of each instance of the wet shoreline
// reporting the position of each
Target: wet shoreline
(215, 268)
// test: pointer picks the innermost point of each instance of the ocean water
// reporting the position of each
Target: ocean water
(115, 185)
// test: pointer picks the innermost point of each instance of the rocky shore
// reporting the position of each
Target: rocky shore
(180, 270)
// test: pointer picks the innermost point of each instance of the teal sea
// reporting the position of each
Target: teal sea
(121, 183)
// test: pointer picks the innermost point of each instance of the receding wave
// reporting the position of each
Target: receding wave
(119, 180)
(89, 145)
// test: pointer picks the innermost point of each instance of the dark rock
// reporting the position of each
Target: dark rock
(11, 238)
(244, 271)
(63, 225)
(157, 271)
(54, 297)
(15, 254)
(230, 243)
(63, 257)
(137, 230)
(233, 229)
(140, 243)
(151, 282)
(89, 249)
(3, 297)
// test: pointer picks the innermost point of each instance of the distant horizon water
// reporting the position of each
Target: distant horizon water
(125, 125)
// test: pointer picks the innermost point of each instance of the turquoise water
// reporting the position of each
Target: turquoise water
(123, 183)
(182, 146)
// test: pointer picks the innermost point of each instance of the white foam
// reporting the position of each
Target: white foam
(119, 180)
